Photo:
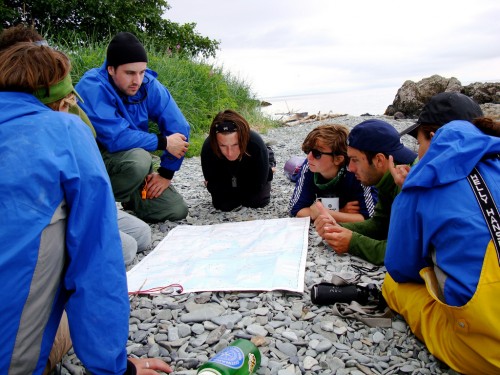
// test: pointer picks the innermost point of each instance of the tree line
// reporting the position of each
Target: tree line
(82, 21)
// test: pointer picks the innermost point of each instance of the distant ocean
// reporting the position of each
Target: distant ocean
(372, 101)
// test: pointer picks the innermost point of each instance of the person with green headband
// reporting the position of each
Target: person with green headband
(61, 249)
(61, 97)
(22, 33)
(324, 177)
(135, 234)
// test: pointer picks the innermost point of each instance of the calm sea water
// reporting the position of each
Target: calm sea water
(372, 101)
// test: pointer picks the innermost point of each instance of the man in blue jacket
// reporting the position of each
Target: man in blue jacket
(121, 98)
(443, 249)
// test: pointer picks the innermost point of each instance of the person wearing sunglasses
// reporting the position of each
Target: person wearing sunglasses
(324, 176)
(237, 165)
(370, 143)
(121, 98)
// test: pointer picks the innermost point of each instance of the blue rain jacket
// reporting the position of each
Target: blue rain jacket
(436, 213)
(50, 165)
(122, 122)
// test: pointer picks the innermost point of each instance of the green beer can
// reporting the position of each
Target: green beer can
(241, 357)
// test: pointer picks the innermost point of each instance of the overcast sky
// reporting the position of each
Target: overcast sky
(288, 47)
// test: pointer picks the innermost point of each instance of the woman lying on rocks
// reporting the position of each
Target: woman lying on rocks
(237, 164)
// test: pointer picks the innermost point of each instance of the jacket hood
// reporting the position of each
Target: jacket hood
(17, 104)
(455, 150)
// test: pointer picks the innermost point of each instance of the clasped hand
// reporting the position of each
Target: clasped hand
(177, 145)
(329, 230)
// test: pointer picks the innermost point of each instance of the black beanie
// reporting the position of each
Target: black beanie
(125, 48)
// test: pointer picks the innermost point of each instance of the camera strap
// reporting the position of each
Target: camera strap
(488, 207)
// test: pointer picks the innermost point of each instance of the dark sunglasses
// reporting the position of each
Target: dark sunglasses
(317, 153)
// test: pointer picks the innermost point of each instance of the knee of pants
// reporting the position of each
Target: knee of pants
(177, 212)
(138, 164)
(169, 206)
(143, 237)
(129, 247)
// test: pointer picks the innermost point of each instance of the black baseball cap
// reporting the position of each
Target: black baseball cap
(444, 108)
(379, 136)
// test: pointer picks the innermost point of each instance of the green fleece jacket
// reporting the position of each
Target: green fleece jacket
(369, 237)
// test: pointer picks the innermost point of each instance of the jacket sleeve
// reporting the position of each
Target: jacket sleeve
(116, 129)
(209, 165)
(367, 198)
(375, 227)
(369, 237)
(404, 256)
(368, 248)
(98, 306)
(265, 172)
(163, 110)
(303, 194)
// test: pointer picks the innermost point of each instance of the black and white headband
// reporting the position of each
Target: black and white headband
(226, 127)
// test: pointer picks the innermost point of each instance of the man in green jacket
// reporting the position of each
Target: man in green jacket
(370, 145)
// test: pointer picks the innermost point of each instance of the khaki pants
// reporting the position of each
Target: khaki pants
(62, 344)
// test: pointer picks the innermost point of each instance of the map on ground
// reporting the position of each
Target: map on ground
(259, 255)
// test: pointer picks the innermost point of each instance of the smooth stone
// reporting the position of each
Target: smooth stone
(292, 336)
(361, 358)
(154, 351)
(358, 345)
(184, 330)
(216, 334)
(297, 309)
(261, 311)
(310, 362)
(199, 314)
(173, 334)
(255, 329)
(323, 346)
(399, 326)
(341, 346)
(287, 348)
(227, 319)
(335, 363)
(197, 329)
(340, 330)
(141, 314)
(164, 315)
(327, 326)
(407, 368)
(139, 336)
(199, 340)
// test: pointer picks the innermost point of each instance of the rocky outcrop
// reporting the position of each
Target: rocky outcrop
(412, 96)
(483, 93)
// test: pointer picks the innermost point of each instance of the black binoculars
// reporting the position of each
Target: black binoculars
(328, 294)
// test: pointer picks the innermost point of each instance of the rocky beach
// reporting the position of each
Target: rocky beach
(294, 335)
